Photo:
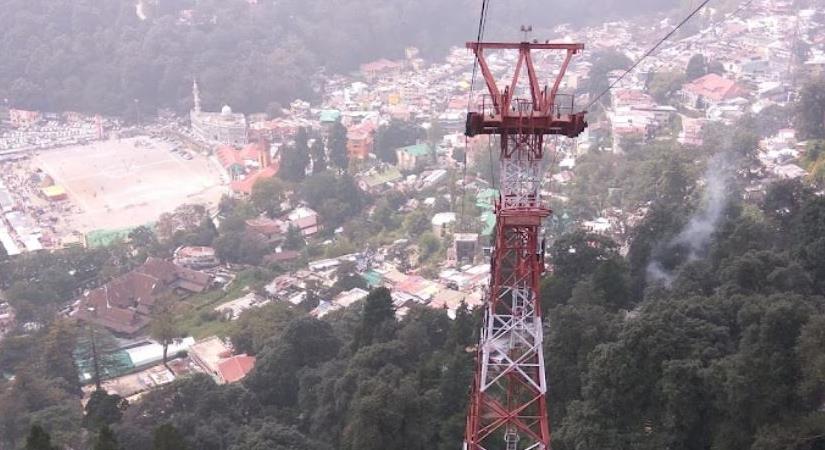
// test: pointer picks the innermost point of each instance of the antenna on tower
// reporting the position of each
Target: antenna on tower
(525, 31)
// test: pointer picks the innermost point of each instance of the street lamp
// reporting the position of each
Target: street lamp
(137, 111)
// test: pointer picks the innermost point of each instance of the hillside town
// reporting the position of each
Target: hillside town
(742, 67)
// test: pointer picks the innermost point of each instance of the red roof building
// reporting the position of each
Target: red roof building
(266, 226)
(631, 97)
(380, 67)
(252, 152)
(244, 187)
(711, 89)
(247, 165)
(22, 118)
(124, 305)
(230, 160)
(235, 368)
(360, 140)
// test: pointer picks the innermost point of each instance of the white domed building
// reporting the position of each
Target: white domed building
(225, 127)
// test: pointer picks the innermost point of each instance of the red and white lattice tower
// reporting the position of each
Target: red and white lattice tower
(508, 406)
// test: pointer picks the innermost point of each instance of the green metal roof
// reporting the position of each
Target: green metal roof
(489, 219)
(330, 115)
(486, 197)
(104, 238)
(417, 150)
(372, 278)
(114, 365)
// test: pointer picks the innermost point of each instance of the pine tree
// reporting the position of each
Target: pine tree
(96, 351)
(39, 439)
(378, 313)
(106, 439)
(697, 67)
(163, 328)
(295, 158)
(302, 149)
(58, 355)
(319, 157)
(338, 146)
(810, 110)
(167, 437)
(294, 239)
(103, 409)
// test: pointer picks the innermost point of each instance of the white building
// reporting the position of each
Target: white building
(224, 127)
(305, 219)
(442, 222)
(196, 257)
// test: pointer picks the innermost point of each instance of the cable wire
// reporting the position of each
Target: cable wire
(649, 52)
(482, 24)
(735, 13)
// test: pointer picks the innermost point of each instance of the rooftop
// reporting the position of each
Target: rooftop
(235, 368)
(416, 150)
(714, 87)
(330, 115)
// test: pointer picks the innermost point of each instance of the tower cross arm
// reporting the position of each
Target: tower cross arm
(572, 46)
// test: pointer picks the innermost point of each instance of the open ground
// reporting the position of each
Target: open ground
(118, 183)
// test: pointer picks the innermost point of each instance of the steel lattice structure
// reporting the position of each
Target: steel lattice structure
(508, 405)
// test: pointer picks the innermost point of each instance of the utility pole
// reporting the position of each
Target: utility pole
(508, 404)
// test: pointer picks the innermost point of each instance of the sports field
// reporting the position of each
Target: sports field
(117, 184)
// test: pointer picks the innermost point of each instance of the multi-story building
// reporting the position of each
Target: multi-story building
(196, 257)
(224, 127)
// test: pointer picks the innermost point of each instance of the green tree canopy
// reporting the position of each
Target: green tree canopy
(378, 313)
(809, 119)
(697, 67)
(395, 135)
(106, 439)
(103, 409)
(337, 144)
(318, 156)
(267, 195)
(335, 197)
(167, 437)
(39, 439)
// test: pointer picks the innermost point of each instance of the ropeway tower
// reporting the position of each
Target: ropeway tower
(508, 404)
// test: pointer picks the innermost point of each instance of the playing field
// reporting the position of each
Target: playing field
(117, 184)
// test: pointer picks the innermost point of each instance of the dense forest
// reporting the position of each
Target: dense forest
(726, 355)
(708, 334)
(98, 56)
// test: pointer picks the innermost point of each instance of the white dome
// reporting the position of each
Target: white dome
(226, 110)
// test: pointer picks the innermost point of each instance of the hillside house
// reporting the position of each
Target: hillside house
(710, 90)
(125, 304)
(413, 157)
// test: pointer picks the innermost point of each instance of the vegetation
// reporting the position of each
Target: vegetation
(725, 356)
(337, 145)
(605, 62)
(164, 329)
(295, 158)
(100, 57)
(395, 135)
(722, 353)
(335, 197)
(267, 196)
(810, 112)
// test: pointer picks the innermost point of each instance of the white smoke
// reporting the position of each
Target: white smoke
(657, 272)
(697, 233)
